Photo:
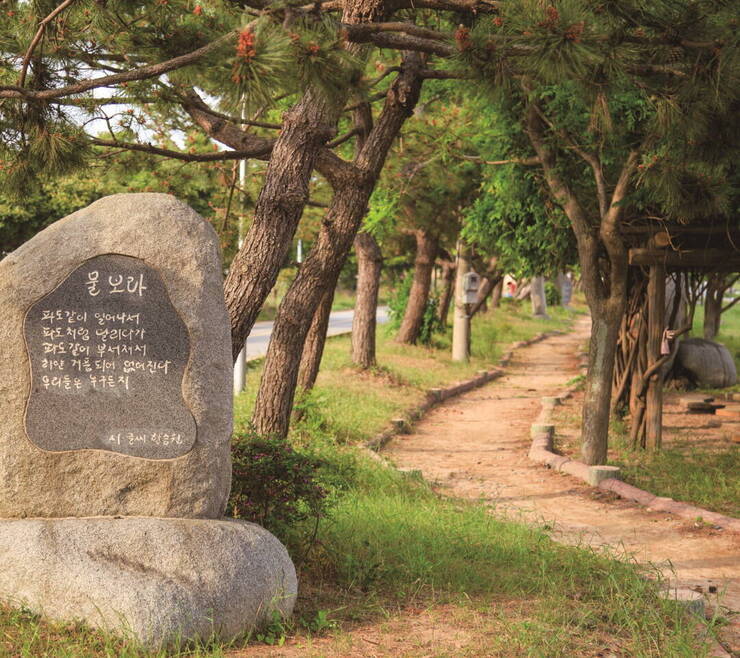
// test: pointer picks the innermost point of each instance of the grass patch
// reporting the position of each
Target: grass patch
(353, 406)
(391, 542)
(705, 475)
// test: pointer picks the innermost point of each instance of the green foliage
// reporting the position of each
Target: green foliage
(430, 324)
(197, 184)
(273, 484)
(397, 301)
(552, 294)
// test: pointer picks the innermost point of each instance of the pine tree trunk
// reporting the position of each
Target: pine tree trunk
(255, 267)
(448, 287)
(364, 321)
(274, 402)
(426, 253)
(597, 399)
(713, 307)
(488, 285)
(496, 294)
(313, 349)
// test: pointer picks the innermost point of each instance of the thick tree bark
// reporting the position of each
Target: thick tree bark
(448, 283)
(496, 293)
(313, 349)
(349, 204)
(426, 253)
(597, 398)
(656, 327)
(253, 272)
(364, 321)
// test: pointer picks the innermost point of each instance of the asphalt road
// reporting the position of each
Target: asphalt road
(340, 322)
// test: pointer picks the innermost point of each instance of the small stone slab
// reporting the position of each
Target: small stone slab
(597, 474)
(730, 413)
(694, 602)
(702, 408)
(115, 366)
(162, 581)
(690, 399)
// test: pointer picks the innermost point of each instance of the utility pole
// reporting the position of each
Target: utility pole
(461, 321)
(240, 365)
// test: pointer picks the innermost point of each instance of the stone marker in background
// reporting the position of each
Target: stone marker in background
(115, 390)
(709, 364)
(537, 294)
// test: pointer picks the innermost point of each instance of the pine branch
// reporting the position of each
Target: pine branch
(343, 138)
(219, 156)
(519, 161)
(143, 73)
(366, 33)
(406, 28)
(437, 74)
(37, 39)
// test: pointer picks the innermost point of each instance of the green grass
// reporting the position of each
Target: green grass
(355, 406)
(705, 474)
(389, 540)
(702, 473)
(389, 543)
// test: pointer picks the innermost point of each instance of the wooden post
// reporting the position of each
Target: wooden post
(656, 325)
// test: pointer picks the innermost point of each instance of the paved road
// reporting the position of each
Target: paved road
(340, 322)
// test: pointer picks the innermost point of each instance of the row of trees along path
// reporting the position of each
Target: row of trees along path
(476, 447)
(621, 110)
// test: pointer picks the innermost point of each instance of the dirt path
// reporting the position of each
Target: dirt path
(475, 446)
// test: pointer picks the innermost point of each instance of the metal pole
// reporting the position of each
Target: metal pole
(240, 365)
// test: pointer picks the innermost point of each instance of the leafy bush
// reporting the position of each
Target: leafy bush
(397, 301)
(273, 484)
(552, 294)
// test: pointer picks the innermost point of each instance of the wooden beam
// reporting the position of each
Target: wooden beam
(656, 325)
(724, 259)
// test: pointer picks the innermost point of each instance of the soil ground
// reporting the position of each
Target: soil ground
(475, 446)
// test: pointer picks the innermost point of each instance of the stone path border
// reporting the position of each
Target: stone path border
(607, 477)
(435, 396)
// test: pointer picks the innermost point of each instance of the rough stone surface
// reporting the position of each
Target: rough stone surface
(171, 239)
(709, 364)
(158, 580)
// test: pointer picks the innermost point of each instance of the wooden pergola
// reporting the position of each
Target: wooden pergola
(664, 247)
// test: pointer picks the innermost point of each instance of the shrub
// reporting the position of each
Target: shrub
(552, 294)
(273, 484)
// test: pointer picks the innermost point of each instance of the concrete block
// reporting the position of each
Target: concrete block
(596, 474)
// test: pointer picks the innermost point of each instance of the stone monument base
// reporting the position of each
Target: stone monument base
(158, 581)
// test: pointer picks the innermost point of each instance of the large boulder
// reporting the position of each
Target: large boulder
(158, 580)
(115, 366)
(708, 364)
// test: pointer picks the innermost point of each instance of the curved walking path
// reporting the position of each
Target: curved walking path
(475, 446)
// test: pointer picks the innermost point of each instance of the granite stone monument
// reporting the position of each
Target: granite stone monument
(115, 470)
